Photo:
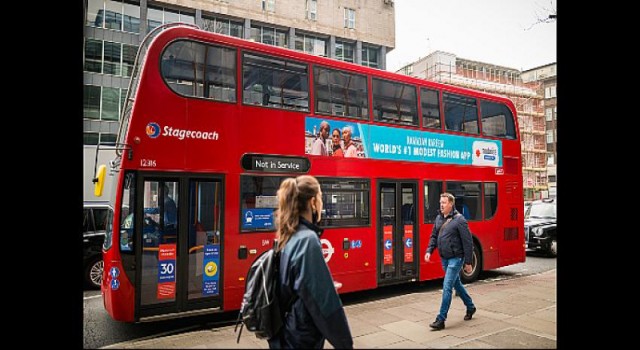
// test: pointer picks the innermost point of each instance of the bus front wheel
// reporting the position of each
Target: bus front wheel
(476, 266)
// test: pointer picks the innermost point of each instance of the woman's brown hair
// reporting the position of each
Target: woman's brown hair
(293, 195)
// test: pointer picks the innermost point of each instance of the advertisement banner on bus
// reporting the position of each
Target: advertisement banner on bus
(384, 142)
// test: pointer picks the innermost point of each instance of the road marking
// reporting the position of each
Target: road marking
(93, 297)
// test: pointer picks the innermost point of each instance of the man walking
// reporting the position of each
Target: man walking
(452, 238)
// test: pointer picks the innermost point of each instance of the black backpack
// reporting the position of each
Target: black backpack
(260, 308)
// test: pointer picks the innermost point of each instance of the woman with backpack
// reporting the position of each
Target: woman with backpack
(316, 313)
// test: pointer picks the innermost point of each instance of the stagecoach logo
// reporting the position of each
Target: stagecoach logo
(153, 130)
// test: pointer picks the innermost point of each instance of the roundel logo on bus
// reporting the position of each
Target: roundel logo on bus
(327, 249)
(153, 130)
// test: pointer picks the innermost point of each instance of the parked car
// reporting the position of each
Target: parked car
(540, 226)
(94, 225)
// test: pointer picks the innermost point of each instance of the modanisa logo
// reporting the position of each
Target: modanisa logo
(485, 153)
(153, 130)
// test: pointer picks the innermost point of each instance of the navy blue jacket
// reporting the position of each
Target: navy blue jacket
(317, 313)
(454, 240)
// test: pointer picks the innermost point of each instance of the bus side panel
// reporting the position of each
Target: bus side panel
(355, 266)
(119, 297)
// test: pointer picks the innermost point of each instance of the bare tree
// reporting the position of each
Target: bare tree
(545, 14)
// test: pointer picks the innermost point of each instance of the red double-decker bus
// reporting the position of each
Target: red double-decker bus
(212, 124)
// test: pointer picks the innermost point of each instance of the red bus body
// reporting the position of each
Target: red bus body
(236, 129)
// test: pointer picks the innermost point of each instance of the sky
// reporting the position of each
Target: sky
(492, 31)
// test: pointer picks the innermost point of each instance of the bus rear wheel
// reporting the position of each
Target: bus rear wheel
(476, 266)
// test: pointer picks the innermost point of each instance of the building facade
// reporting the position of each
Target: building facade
(547, 76)
(447, 68)
(357, 31)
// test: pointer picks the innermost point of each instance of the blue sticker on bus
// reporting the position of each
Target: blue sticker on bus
(166, 271)
(257, 218)
(115, 284)
(114, 272)
(408, 242)
(211, 268)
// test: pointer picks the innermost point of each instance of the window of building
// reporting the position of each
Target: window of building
(93, 138)
(157, 16)
(432, 191)
(345, 51)
(223, 26)
(131, 18)
(91, 105)
(549, 136)
(128, 59)
(550, 91)
(497, 120)
(116, 59)
(312, 9)
(113, 15)
(349, 18)
(430, 100)
(341, 93)
(269, 5)
(548, 114)
(269, 35)
(171, 16)
(112, 58)
(407, 70)
(311, 44)
(370, 56)
(93, 56)
(490, 199)
(555, 113)
(394, 102)
(552, 178)
(108, 139)
(102, 103)
(95, 13)
(123, 98)
(199, 70)
(468, 199)
(154, 17)
(460, 113)
(110, 103)
(274, 82)
(346, 202)
(90, 138)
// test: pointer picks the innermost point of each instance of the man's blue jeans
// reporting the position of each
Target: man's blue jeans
(452, 269)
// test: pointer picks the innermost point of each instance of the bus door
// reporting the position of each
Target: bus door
(179, 256)
(397, 231)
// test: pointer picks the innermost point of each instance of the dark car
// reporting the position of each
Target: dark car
(95, 219)
(540, 226)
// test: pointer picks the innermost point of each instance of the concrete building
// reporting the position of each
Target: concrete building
(547, 75)
(358, 31)
(447, 68)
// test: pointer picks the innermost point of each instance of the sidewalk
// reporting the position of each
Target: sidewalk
(513, 313)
